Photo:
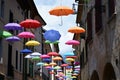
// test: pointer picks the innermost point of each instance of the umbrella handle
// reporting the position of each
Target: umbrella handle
(61, 22)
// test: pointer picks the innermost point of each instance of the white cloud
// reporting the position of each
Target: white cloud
(53, 21)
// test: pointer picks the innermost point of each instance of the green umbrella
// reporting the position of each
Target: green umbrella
(36, 58)
(5, 34)
(49, 42)
(57, 67)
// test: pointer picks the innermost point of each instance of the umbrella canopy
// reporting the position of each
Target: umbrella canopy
(36, 58)
(32, 43)
(40, 64)
(35, 54)
(52, 35)
(28, 56)
(52, 64)
(76, 29)
(71, 57)
(53, 54)
(68, 54)
(30, 23)
(64, 65)
(26, 35)
(12, 26)
(46, 64)
(57, 58)
(57, 67)
(44, 56)
(13, 39)
(61, 11)
(72, 42)
(5, 34)
(46, 60)
(48, 42)
(25, 51)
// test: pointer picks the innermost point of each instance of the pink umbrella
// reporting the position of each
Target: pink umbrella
(72, 42)
(44, 56)
(26, 35)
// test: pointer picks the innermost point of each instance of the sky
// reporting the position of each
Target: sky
(53, 22)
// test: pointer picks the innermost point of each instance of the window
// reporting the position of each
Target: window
(0, 49)
(2, 8)
(98, 15)
(20, 62)
(111, 7)
(89, 26)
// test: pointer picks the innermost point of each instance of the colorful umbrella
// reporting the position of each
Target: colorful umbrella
(76, 29)
(12, 26)
(5, 34)
(48, 42)
(28, 56)
(13, 39)
(57, 67)
(26, 35)
(40, 64)
(61, 11)
(46, 64)
(35, 58)
(25, 51)
(35, 54)
(46, 60)
(57, 58)
(53, 54)
(68, 54)
(71, 57)
(44, 56)
(72, 42)
(30, 23)
(52, 64)
(52, 35)
(64, 65)
(32, 43)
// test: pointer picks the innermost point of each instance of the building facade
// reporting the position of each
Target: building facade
(11, 61)
(101, 58)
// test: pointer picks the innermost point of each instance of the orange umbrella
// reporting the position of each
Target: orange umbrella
(76, 29)
(61, 11)
(57, 58)
(52, 64)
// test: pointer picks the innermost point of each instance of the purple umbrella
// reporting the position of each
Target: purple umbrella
(13, 39)
(12, 26)
(52, 35)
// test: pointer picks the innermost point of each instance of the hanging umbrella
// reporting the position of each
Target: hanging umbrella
(73, 77)
(52, 64)
(32, 43)
(68, 54)
(46, 64)
(48, 67)
(61, 11)
(26, 35)
(46, 60)
(12, 26)
(72, 42)
(48, 42)
(35, 54)
(28, 56)
(5, 34)
(57, 58)
(71, 57)
(35, 58)
(76, 29)
(25, 51)
(44, 56)
(57, 67)
(30, 23)
(13, 39)
(52, 35)
(40, 64)
(64, 65)
(51, 72)
(53, 54)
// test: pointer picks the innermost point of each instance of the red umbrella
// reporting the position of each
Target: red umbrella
(72, 42)
(26, 35)
(71, 57)
(30, 23)
(53, 54)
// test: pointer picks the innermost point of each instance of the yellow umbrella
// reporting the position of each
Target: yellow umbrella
(73, 77)
(32, 43)
(45, 64)
(52, 64)
(70, 59)
(57, 58)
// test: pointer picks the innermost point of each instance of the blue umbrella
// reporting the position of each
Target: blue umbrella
(52, 35)
(68, 54)
(46, 60)
(13, 39)
(25, 51)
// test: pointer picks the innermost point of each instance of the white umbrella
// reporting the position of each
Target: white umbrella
(28, 56)
(35, 54)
